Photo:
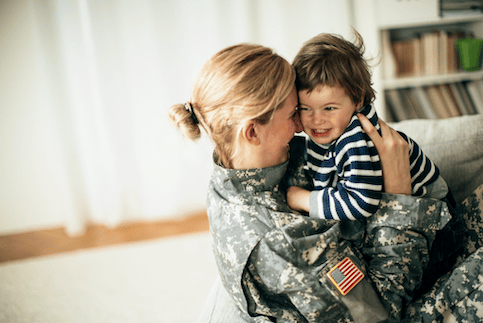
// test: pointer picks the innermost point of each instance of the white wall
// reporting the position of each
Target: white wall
(42, 183)
(31, 173)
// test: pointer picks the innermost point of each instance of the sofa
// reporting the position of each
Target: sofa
(455, 145)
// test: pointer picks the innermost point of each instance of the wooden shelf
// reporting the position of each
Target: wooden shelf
(404, 82)
(433, 22)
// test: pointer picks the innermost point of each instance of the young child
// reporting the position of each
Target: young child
(334, 84)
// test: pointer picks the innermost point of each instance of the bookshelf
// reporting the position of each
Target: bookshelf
(418, 74)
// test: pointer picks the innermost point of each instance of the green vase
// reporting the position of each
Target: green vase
(469, 50)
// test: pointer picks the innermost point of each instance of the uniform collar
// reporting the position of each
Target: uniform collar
(250, 180)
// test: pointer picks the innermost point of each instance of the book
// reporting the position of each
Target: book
(424, 103)
(455, 92)
(476, 97)
(396, 105)
(412, 105)
(437, 102)
(443, 52)
(449, 101)
(480, 86)
(417, 56)
(404, 56)
(460, 13)
(396, 48)
(460, 8)
(466, 98)
(453, 57)
(430, 51)
(461, 4)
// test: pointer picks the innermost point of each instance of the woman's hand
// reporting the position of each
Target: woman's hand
(393, 151)
(298, 198)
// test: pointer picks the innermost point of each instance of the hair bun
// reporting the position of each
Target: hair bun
(183, 116)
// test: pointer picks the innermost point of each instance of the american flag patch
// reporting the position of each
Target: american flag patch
(345, 275)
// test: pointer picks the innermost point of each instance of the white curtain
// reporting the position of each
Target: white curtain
(105, 72)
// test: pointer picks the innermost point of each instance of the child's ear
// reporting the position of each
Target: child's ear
(250, 132)
(359, 106)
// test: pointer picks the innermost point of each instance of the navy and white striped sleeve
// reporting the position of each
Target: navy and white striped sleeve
(423, 171)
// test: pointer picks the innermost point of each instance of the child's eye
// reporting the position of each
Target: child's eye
(303, 109)
(329, 108)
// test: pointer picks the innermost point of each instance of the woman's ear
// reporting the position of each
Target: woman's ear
(250, 132)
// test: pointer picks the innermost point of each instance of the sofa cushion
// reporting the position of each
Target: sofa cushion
(455, 145)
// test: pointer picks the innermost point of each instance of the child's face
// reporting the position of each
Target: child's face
(325, 112)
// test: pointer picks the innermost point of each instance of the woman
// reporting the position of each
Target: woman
(279, 265)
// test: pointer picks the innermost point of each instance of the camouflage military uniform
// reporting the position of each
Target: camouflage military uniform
(458, 296)
(277, 264)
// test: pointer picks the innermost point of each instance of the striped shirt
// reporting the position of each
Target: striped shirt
(347, 173)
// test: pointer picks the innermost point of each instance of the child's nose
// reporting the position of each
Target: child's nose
(319, 117)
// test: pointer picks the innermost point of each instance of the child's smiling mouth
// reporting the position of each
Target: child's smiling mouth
(320, 132)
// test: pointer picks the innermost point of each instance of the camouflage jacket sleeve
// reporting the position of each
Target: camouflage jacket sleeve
(458, 296)
(397, 241)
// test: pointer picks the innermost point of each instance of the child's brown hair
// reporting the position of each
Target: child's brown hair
(329, 59)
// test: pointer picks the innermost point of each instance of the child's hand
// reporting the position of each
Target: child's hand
(298, 198)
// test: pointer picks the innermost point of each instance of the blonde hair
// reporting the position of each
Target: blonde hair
(329, 59)
(240, 83)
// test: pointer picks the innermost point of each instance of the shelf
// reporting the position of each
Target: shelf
(401, 20)
(434, 22)
(404, 82)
